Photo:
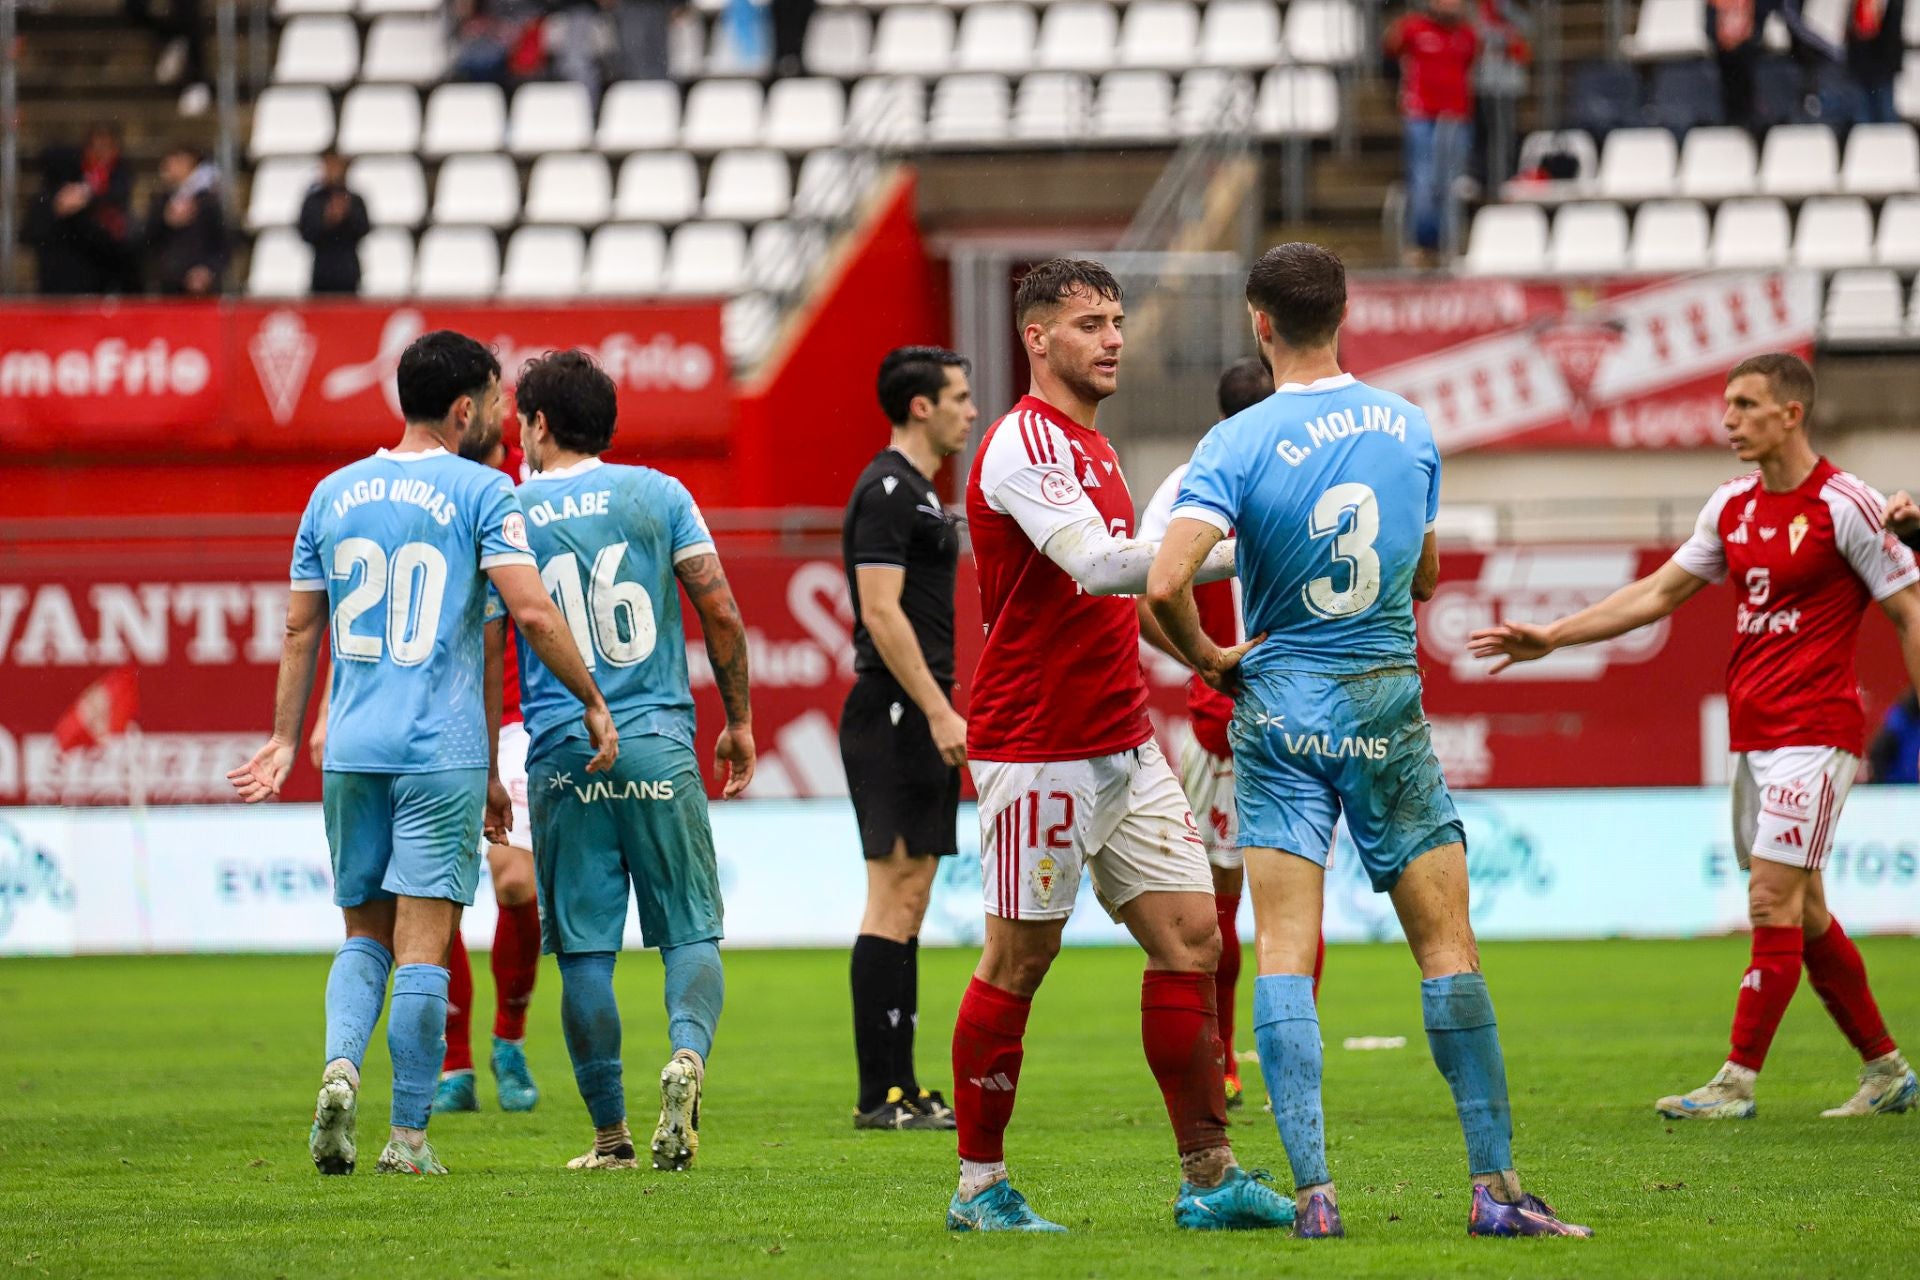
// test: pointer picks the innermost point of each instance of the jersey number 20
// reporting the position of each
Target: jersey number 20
(1352, 550)
(413, 582)
(608, 618)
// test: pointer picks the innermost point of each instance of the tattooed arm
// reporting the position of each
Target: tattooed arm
(706, 587)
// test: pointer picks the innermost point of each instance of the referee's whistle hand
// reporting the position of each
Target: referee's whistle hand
(950, 736)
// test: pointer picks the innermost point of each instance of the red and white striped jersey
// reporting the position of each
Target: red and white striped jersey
(1060, 677)
(1805, 565)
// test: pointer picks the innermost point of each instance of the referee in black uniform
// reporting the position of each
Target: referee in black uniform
(900, 738)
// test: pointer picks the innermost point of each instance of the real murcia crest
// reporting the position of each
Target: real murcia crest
(1045, 876)
(282, 352)
(890, 483)
(1796, 531)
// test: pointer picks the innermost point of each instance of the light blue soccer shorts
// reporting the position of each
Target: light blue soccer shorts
(642, 823)
(1308, 747)
(413, 835)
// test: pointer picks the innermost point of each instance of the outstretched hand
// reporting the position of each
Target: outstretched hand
(1510, 642)
(260, 778)
(1902, 516)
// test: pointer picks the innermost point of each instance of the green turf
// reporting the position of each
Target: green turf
(153, 1117)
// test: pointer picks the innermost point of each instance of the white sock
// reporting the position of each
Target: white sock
(978, 1175)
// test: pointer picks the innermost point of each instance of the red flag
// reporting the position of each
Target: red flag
(103, 709)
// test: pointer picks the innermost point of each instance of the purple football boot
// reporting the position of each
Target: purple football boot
(1532, 1216)
(1320, 1220)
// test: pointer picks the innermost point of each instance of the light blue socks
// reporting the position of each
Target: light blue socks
(591, 1021)
(1466, 1047)
(356, 988)
(1286, 1028)
(695, 988)
(417, 1040)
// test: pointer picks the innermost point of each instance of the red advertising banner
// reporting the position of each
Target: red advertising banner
(1622, 363)
(186, 648)
(319, 377)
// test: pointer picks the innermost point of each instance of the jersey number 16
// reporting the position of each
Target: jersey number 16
(611, 620)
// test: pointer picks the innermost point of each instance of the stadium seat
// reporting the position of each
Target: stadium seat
(1896, 241)
(828, 186)
(626, 261)
(544, 262)
(722, 114)
(970, 108)
(782, 255)
(1159, 34)
(1574, 143)
(279, 186)
(464, 117)
(1078, 35)
(1208, 96)
(1637, 164)
(1685, 95)
(1134, 104)
(1298, 102)
(296, 8)
(386, 263)
(569, 188)
(1799, 160)
(457, 262)
(1863, 306)
(374, 8)
(1670, 29)
(1910, 26)
(1323, 32)
(888, 111)
(481, 190)
(638, 115)
(995, 37)
(282, 265)
(1716, 163)
(747, 186)
(394, 188)
(1052, 106)
(1669, 235)
(553, 116)
(318, 50)
(657, 186)
(1507, 239)
(290, 121)
(1606, 96)
(1881, 159)
(1752, 232)
(806, 113)
(1906, 89)
(706, 258)
(838, 43)
(1589, 238)
(913, 40)
(1240, 33)
(379, 119)
(1834, 231)
(405, 51)
(748, 325)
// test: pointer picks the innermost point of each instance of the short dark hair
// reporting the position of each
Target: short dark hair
(1245, 383)
(906, 372)
(438, 368)
(577, 396)
(1302, 288)
(1048, 283)
(1787, 375)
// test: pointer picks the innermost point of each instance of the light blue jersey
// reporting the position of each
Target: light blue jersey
(607, 538)
(1331, 489)
(400, 542)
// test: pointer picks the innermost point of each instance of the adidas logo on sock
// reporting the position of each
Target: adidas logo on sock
(995, 1083)
(1751, 981)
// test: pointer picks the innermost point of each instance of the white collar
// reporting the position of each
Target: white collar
(1334, 383)
(412, 455)
(579, 468)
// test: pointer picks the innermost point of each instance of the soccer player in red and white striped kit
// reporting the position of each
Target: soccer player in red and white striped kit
(1069, 776)
(1804, 546)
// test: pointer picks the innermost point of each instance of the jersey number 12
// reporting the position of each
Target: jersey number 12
(1352, 549)
(608, 618)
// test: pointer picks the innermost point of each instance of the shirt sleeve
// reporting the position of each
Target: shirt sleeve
(1212, 488)
(503, 528)
(1027, 473)
(308, 573)
(1430, 459)
(1703, 555)
(1159, 513)
(882, 525)
(690, 535)
(1880, 560)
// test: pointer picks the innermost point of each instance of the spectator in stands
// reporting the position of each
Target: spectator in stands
(498, 41)
(1499, 82)
(644, 28)
(80, 223)
(186, 226)
(1875, 49)
(334, 221)
(579, 38)
(790, 18)
(182, 57)
(1736, 28)
(1435, 48)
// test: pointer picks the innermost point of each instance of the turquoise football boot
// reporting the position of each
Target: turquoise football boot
(998, 1208)
(513, 1083)
(1244, 1201)
(455, 1093)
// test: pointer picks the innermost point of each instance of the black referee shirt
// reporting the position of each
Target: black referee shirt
(894, 518)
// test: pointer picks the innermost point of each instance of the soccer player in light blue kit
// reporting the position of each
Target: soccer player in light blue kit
(1332, 487)
(616, 544)
(393, 556)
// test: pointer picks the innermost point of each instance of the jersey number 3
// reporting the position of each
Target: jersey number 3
(608, 617)
(1350, 515)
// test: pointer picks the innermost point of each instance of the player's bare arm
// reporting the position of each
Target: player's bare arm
(1903, 608)
(1150, 629)
(1902, 516)
(1628, 609)
(882, 616)
(1188, 547)
(499, 816)
(726, 638)
(534, 612)
(262, 776)
(1426, 575)
(317, 740)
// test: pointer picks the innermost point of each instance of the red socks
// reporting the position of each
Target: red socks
(1839, 976)
(1765, 992)
(1319, 963)
(986, 1067)
(1181, 1034)
(516, 963)
(459, 1008)
(1226, 907)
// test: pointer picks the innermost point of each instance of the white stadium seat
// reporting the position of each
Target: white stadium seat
(657, 186)
(1205, 94)
(1863, 306)
(1240, 33)
(374, 8)
(1299, 102)
(996, 37)
(639, 115)
(550, 116)
(380, 119)
(805, 113)
(748, 325)
(748, 186)
(318, 50)
(1799, 160)
(1670, 29)
(838, 43)
(970, 109)
(826, 188)
(913, 40)
(626, 261)
(290, 121)
(282, 265)
(394, 188)
(1159, 33)
(1881, 159)
(1078, 35)
(456, 262)
(1752, 232)
(1834, 231)
(464, 117)
(1669, 235)
(722, 114)
(1637, 164)
(544, 262)
(280, 185)
(706, 258)
(386, 263)
(1323, 32)
(1896, 241)
(1717, 163)
(1052, 106)
(1507, 239)
(1134, 104)
(782, 255)
(572, 189)
(1906, 89)
(1589, 238)
(888, 111)
(295, 8)
(405, 51)
(482, 190)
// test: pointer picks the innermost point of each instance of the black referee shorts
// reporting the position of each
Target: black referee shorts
(901, 787)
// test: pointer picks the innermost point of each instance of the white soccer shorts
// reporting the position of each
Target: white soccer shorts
(1122, 817)
(513, 776)
(1786, 804)
(1208, 781)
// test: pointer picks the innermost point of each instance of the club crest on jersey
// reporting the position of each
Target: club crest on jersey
(889, 483)
(1045, 876)
(1058, 488)
(1796, 531)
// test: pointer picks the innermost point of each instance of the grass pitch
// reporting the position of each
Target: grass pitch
(153, 1117)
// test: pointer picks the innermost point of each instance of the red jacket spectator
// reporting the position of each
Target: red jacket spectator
(1436, 51)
